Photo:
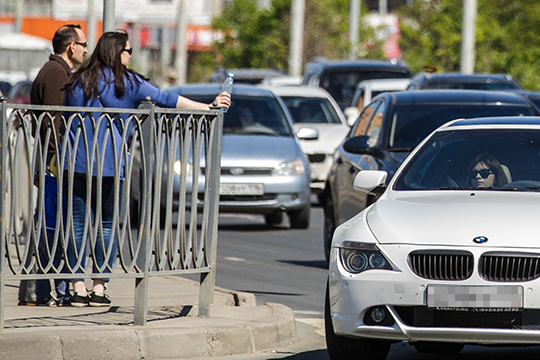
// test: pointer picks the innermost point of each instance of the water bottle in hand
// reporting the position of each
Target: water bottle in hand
(227, 87)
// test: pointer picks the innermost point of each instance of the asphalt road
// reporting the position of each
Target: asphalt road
(287, 266)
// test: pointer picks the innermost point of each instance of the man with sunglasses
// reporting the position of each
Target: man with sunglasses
(69, 46)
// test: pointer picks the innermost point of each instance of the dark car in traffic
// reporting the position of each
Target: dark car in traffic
(340, 77)
(459, 81)
(532, 96)
(389, 128)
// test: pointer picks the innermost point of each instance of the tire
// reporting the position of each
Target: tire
(274, 218)
(329, 225)
(429, 347)
(342, 348)
(299, 219)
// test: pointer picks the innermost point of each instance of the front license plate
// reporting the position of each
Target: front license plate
(481, 297)
(241, 189)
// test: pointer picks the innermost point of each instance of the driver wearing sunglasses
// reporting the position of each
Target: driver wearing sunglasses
(485, 171)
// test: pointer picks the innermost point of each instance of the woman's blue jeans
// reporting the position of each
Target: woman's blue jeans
(103, 240)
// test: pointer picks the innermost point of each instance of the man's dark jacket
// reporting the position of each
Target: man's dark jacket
(47, 90)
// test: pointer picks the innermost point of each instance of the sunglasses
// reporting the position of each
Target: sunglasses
(129, 51)
(84, 44)
(484, 173)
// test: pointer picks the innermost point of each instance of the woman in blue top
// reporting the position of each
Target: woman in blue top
(105, 81)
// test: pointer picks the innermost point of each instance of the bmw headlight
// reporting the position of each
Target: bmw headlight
(357, 257)
(287, 168)
(178, 168)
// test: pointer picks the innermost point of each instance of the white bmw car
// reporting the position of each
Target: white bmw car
(450, 252)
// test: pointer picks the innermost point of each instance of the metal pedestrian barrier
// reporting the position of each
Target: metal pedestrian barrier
(160, 224)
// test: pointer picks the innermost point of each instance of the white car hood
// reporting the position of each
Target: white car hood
(330, 136)
(457, 217)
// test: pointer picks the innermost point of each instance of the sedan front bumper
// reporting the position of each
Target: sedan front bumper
(402, 296)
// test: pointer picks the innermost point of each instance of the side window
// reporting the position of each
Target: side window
(364, 118)
(375, 125)
(360, 101)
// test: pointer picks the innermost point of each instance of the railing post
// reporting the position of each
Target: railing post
(208, 280)
(148, 149)
(3, 178)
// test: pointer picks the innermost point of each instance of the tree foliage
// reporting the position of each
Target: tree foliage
(259, 38)
(506, 37)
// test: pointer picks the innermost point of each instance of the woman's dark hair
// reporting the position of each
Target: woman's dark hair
(106, 55)
(494, 165)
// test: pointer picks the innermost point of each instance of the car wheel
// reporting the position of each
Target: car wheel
(429, 347)
(274, 218)
(299, 219)
(329, 225)
(342, 348)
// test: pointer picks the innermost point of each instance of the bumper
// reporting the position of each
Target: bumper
(286, 193)
(402, 296)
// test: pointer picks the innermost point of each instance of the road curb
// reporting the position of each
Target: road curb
(229, 331)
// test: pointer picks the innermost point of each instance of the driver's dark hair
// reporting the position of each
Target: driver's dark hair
(494, 165)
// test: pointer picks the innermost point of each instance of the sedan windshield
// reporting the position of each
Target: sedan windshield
(411, 123)
(252, 115)
(487, 159)
(311, 110)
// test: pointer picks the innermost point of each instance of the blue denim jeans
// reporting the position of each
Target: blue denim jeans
(103, 240)
(43, 287)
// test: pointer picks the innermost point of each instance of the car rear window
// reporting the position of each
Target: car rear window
(484, 85)
(311, 110)
(413, 122)
(341, 85)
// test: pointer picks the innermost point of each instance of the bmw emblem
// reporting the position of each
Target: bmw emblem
(480, 239)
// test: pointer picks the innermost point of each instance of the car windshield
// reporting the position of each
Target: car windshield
(483, 85)
(311, 110)
(411, 123)
(486, 159)
(341, 85)
(252, 115)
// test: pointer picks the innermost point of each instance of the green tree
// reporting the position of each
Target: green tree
(259, 38)
(506, 37)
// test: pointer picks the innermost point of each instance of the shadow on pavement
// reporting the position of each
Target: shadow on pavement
(319, 264)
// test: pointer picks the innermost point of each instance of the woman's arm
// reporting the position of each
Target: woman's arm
(222, 100)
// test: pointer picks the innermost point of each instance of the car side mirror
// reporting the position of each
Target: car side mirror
(307, 134)
(360, 145)
(371, 181)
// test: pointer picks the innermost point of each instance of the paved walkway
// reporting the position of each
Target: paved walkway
(174, 329)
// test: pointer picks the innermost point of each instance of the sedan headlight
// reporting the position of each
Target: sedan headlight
(358, 257)
(287, 168)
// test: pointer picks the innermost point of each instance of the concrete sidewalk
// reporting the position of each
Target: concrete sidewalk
(174, 329)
